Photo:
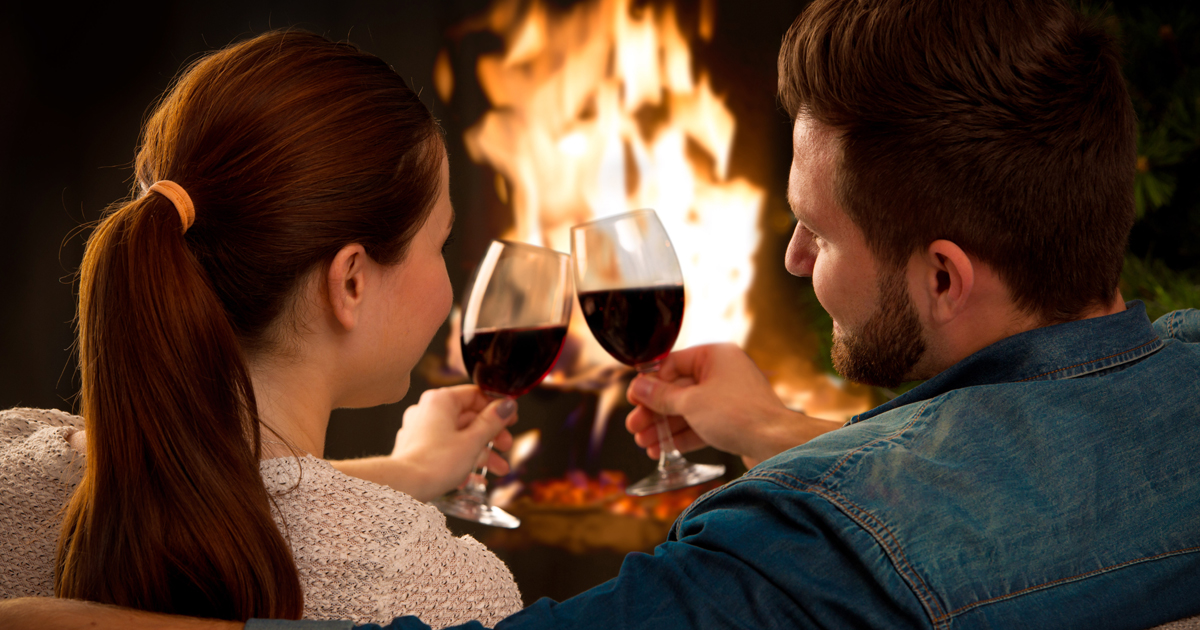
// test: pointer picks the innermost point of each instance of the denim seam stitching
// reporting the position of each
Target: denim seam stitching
(880, 532)
(1071, 367)
(704, 497)
(932, 607)
(1072, 578)
(841, 462)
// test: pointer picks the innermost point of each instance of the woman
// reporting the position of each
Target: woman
(281, 258)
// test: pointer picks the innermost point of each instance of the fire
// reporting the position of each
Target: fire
(524, 446)
(598, 110)
(583, 514)
(607, 491)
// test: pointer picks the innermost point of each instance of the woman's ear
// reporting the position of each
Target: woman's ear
(947, 278)
(346, 284)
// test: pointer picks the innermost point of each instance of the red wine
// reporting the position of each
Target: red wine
(636, 326)
(510, 361)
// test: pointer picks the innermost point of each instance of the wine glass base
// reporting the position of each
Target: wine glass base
(469, 509)
(673, 479)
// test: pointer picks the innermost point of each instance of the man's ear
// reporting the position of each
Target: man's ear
(346, 284)
(947, 278)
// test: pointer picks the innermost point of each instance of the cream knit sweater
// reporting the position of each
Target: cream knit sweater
(364, 552)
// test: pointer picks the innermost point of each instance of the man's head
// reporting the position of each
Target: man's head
(1002, 129)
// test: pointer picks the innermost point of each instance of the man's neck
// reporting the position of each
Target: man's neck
(1112, 308)
(990, 324)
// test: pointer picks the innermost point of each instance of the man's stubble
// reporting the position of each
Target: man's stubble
(884, 351)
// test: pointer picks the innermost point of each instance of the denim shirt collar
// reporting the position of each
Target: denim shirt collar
(1053, 352)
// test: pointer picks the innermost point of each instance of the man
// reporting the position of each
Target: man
(962, 182)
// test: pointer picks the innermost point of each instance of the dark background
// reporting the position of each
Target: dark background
(76, 88)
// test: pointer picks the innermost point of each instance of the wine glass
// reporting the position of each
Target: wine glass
(631, 292)
(515, 316)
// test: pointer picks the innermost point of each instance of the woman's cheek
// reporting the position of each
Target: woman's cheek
(447, 294)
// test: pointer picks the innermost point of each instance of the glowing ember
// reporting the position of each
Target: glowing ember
(598, 110)
(578, 489)
(608, 491)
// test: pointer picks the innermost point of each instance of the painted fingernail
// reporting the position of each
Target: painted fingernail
(506, 408)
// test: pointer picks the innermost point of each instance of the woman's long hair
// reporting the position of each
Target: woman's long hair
(291, 147)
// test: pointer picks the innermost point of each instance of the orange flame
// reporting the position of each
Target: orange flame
(598, 110)
(608, 490)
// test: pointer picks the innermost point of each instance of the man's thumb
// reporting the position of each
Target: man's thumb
(657, 395)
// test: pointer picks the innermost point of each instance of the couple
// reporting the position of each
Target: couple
(962, 182)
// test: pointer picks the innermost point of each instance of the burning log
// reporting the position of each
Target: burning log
(582, 515)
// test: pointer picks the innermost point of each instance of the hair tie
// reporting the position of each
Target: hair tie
(178, 197)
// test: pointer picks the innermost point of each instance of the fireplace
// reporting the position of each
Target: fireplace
(558, 112)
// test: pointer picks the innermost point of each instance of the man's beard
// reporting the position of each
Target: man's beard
(887, 347)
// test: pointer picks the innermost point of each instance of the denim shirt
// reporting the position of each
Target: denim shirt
(1046, 481)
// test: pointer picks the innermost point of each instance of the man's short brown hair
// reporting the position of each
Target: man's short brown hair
(1001, 125)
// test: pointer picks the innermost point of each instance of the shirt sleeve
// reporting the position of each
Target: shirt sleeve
(1183, 325)
(752, 555)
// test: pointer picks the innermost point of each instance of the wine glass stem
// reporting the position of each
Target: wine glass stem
(477, 483)
(669, 457)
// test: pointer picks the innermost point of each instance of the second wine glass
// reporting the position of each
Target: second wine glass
(631, 292)
(514, 322)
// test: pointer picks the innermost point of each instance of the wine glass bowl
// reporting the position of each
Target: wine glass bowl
(638, 326)
(510, 362)
(515, 316)
(630, 289)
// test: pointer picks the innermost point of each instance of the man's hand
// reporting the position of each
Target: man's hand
(443, 438)
(715, 395)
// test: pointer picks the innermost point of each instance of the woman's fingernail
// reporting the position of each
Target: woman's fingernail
(506, 408)
(642, 388)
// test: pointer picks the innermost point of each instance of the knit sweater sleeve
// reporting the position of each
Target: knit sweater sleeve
(38, 473)
(369, 553)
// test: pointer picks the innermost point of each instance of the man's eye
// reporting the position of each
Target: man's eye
(812, 236)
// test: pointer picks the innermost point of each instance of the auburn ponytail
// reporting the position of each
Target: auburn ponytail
(172, 430)
(290, 147)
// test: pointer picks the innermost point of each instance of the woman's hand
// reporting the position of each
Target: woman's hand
(443, 438)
